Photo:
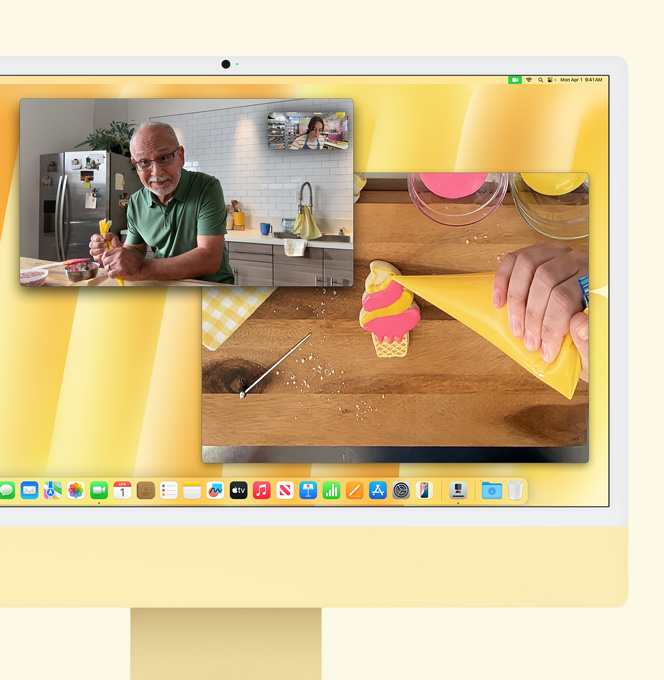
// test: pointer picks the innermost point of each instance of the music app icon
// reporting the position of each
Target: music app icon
(261, 490)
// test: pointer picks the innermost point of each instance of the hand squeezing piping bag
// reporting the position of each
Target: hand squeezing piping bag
(468, 298)
(104, 226)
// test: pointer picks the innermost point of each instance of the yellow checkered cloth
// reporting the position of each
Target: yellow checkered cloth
(226, 309)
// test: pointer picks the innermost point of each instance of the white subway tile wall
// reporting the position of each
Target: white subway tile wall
(231, 144)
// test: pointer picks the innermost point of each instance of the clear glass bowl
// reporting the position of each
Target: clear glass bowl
(562, 216)
(458, 212)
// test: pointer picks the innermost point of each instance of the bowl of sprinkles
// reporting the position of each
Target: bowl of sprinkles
(82, 271)
(33, 277)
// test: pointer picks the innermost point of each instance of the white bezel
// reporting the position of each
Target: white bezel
(614, 515)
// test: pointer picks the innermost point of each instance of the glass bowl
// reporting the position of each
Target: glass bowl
(33, 277)
(457, 199)
(554, 204)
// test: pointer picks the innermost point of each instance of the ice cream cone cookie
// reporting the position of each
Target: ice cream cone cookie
(388, 311)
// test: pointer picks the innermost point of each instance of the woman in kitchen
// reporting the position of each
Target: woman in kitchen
(313, 139)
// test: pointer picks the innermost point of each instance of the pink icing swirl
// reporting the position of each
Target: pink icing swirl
(393, 328)
(383, 298)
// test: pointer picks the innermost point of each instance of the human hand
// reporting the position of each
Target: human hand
(121, 263)
(540, 286)
(579, 329)
(98, 244)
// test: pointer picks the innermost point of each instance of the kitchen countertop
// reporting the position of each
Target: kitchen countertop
(255, 236)
(58, 277)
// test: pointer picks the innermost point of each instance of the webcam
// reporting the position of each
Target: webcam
(225, 63)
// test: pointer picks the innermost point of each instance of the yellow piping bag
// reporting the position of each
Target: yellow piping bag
(104, 226)
(468, 298)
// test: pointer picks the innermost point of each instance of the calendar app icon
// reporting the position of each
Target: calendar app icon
(122, 491)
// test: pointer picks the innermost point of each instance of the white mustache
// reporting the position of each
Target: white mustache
(160, 179)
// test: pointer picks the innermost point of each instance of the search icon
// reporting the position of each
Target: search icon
(540, 80)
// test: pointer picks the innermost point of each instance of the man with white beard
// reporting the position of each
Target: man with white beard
(180, 214)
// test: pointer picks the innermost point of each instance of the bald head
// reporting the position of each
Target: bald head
(163, 130)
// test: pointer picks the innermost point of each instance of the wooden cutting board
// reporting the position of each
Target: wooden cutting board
(453, 389)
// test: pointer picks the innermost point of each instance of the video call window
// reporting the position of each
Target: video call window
(237, 212)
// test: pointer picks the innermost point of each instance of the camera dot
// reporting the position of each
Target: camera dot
(225, 63)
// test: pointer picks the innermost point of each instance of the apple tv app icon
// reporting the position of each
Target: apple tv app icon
(238, 490)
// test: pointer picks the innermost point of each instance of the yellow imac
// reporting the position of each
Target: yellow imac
(380, 311)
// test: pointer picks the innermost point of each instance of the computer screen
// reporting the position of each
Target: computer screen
(409, 305)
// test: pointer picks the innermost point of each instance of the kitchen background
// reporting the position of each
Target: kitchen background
(226, 138)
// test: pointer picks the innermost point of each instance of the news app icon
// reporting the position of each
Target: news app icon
(52, 491)
(492, 491)
(75, 491)
(238, 490)
(262, 490)
(424, 491)
(168, 491)
(122, 491)
(308, 490)
(215, 490)
(29, 490)
(285, 490)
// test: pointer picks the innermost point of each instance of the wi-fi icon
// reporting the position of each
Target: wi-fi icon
(528, 80)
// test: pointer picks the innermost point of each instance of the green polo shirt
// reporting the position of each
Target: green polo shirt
(196, 208)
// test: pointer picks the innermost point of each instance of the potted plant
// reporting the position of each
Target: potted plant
(114, 139)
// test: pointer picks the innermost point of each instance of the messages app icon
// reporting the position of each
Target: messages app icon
(7, 490)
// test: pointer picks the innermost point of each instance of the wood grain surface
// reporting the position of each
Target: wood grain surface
(453, 389)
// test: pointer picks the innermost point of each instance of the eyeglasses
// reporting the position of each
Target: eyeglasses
(146, 163)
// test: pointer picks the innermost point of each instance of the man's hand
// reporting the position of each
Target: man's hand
(121, 263)
(98, 245)
(540, 286)
(579, 329)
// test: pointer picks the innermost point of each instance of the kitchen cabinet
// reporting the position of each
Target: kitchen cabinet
(299, 271)
(251, 263)
(338, 267)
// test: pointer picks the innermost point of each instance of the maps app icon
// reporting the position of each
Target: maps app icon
(52, 490)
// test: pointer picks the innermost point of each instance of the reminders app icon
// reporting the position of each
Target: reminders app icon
(168, 490)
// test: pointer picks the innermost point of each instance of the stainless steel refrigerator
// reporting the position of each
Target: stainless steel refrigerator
(77, 190)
